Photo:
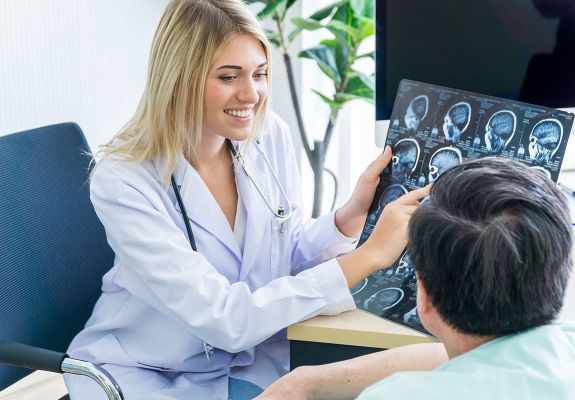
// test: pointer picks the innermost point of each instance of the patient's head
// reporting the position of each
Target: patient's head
(492, 248)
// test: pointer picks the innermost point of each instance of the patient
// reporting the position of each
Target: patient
(491, 250)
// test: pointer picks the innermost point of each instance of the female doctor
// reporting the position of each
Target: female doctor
(201, 166)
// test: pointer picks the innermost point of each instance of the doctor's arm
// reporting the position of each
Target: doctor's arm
(386, 242)
(333, 234)
(347, 379)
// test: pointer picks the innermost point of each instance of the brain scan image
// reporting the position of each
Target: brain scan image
(392, 193)
(416, 112)
(442, 160)
(405, 157)
(544, 140)
(546, 172)
(500, 130)
(456, 121)
(359, 287)
(426, 199)
(412, 317)
(405, 266)
(383, 300)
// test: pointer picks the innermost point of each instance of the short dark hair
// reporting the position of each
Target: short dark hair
(492, 247)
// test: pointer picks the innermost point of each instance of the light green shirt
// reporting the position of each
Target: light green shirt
(536, 364)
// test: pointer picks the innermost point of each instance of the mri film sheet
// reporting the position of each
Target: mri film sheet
(432, 129)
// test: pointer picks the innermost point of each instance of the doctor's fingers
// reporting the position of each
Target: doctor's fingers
(414, 196)
(376, 166)
(399, 212)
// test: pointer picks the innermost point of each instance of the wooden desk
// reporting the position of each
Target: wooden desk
(354, 333)
(328, 339)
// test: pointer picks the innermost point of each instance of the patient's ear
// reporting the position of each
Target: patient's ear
(423, 302)
(425, 308)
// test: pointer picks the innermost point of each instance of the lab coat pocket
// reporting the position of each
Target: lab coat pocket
(280, 248)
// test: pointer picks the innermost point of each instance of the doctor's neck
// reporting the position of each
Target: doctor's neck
(213, 151)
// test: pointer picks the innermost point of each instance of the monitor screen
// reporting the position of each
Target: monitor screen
(515, 49)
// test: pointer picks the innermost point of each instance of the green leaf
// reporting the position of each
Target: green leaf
(325, 61)
(269, 9)
(359, 86)
(303, 24)
(293, 34)
(339, 26)
(368, 80)
(273, 37)
(342, 13)
(326, 12)
(341, 18)
(341, 54)
(362, 8)
(307, 24)
(331, 103)
(366, 28)
(345, 97)
(288, 5)
(370, 54)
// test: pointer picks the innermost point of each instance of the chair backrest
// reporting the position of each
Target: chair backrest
(53, 249)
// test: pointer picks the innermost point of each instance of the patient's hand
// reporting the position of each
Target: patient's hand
(292, 386)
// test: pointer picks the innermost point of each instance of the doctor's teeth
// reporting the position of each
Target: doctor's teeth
(239, 113)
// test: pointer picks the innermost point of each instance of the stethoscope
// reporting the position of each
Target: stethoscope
(282, 214)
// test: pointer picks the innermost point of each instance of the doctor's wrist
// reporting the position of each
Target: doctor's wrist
(349, 220)
(358, 264)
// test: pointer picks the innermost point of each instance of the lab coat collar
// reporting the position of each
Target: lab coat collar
(202, 207)
(204, 211)
(258, 214)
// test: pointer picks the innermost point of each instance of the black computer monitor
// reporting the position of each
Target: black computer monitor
(515, 49)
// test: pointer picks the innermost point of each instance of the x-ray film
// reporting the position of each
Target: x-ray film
(432, 129)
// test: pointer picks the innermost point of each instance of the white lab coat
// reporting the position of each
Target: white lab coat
(161, 300)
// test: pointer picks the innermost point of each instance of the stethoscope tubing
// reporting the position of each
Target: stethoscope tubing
(280, 215)
(184, 214)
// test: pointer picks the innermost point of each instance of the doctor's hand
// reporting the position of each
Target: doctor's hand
(350, 217)
(386, 242)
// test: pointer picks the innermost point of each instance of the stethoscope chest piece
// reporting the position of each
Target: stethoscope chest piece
(281, 213)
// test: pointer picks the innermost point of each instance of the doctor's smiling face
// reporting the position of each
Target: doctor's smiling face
(236, 87)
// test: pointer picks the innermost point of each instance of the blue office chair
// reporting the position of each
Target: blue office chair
(53, 253)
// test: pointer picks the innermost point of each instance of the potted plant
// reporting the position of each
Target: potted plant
(349, 23)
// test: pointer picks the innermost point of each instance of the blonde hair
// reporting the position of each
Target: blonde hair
(168, 121)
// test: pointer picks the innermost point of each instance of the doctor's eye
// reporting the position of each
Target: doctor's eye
(228, 78)
(260, 75)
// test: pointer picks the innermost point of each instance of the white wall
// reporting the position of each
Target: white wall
(74, 60)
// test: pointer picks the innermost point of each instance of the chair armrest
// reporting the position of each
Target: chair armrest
(25, 356)
(21, 355)
(100, 375)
